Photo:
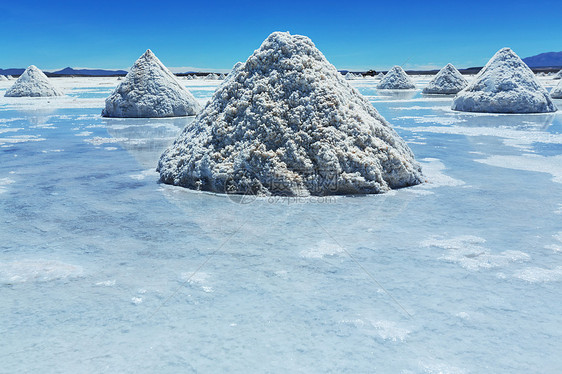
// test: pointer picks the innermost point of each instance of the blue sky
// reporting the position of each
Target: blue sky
(216, 34)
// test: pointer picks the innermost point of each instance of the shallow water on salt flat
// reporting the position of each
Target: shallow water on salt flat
(102, 269)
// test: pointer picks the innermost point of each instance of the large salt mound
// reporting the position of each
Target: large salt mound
(556, 92)
(286, 122)
(33, 83)
(504, 85)
(150, 90)
(448, 81)
(396, 79)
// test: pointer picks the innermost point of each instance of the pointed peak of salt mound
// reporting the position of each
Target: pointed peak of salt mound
(448, 81)
(3, 78)
(33, 83)
(396, 79)
(558, 75)
(286, 122)
(505, 85)
(556, 92)
(150, 90)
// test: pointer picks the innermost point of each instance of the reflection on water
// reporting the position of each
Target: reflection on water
(397, 94)
(146, 138)
(532, 122)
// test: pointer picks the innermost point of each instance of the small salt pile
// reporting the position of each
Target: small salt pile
(150, 90)
(286, 122)
(558, 75)
(380, 75)
(396, 79)
(212, 77)
(33, 83)
(447, 82)
(504, 85)
(3, 78)
(556, 92)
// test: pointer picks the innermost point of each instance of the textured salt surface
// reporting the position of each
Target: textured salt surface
(504, 85)
(132, 310)
(556, 92)
(150, 90)
(396, 79)
(33, 82)
(285, 122)
(448, 81)
(36, 271)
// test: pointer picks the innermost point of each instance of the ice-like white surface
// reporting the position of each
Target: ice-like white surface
(556, 92)
(3, 78)
(448, 81)
(286, 123)
(504, 85)
(283, 299)
(558, 75)
(36, 271)
(529, 162)
(469, 252)
(396, 79)
(34, 83)
(537, 275)
(150, 90)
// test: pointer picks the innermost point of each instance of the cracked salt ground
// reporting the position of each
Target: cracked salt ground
(94, 253)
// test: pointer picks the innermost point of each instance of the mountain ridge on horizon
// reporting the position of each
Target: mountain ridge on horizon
(541, 60)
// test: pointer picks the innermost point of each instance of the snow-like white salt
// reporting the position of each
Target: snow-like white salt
(380, 75)
(433, 171)
(468, 251)
(212, 76)
(539, 275)
(504, 85)
(388, 330)
(558, 75)
(286, 122)
(448, 81)
(556, 92)
(353, 76)
(396, 79)
(37, 271)
(150, 90)
(33, 83)
(321, 250)
(3, 78)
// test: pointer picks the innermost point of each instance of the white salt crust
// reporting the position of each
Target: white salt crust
(33, 83)
(150, 90)
(396, 79)
(448, 81)
(286, 122)
(504, 85)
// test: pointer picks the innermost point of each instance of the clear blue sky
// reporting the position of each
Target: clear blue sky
(217, 34)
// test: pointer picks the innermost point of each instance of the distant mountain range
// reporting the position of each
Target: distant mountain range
(70, 71)
(88, 72)
(540, 62)
(548, 59)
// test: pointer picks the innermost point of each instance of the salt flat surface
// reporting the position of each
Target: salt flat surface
(102, 269)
